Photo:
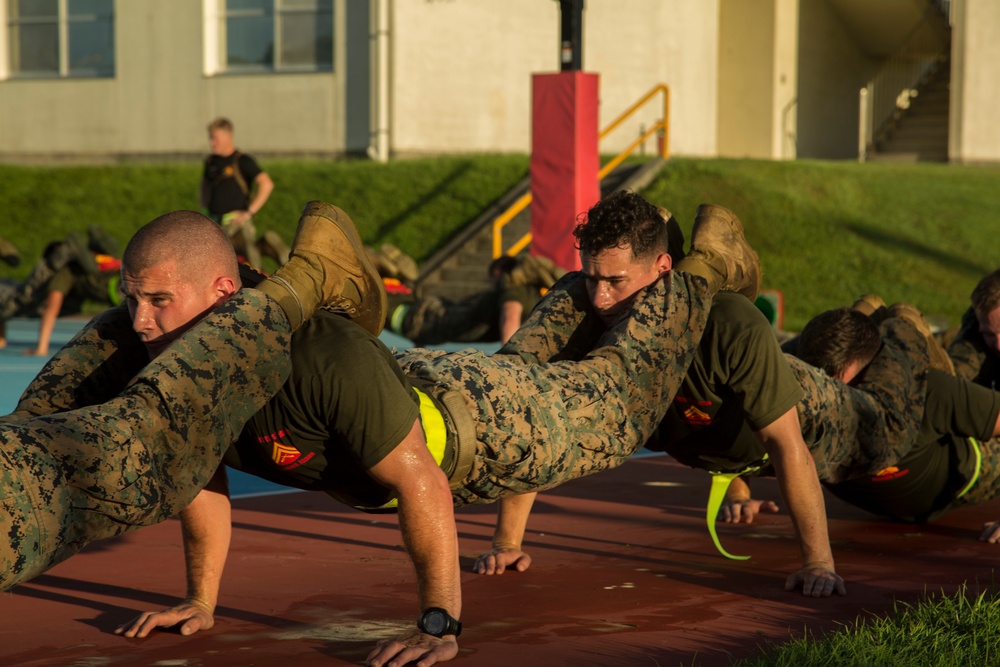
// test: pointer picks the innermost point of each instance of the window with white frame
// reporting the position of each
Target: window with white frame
(277, 35)
(60, 38)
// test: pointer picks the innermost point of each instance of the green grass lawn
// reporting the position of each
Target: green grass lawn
(941, 631)
(416, 204)
(826, 231)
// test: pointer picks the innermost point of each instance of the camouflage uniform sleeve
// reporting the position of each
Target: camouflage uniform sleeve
(561, 326)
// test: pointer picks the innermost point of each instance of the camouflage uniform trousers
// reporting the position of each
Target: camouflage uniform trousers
(557, 329)
(858, 430)
(71, 478)
(93, 367)
(432, 320)
(849, 430)
(987, 486)
(18, 296)
(539, 425)
(242, 239)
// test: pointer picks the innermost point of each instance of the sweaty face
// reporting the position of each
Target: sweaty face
(164, 304)
(614, 276)
(989, 327)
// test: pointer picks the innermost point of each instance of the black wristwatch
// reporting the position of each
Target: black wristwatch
(437, 622)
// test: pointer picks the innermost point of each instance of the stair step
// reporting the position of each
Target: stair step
(469, 274)
(460, 269)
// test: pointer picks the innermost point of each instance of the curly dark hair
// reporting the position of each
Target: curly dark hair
(620, 219)
(831, 341)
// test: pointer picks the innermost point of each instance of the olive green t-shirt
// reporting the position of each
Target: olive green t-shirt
(739, 382)
(81, 284)
(344, 407)
(939, 465)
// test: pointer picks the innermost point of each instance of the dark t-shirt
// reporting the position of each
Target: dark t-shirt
(941, 462)
(224, 191)
(344, 407)
(739, 382)
(77, 283)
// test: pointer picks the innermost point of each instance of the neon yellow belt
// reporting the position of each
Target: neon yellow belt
(979, 468)
(432, 421)
(717, 494)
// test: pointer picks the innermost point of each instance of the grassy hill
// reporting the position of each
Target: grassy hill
(826, 231)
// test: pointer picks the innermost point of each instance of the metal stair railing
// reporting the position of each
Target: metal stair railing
(884, 100)
(660, 128)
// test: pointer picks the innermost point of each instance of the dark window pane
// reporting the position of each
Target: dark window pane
(312, 5)
(92, 47)
(35, 49)
(35, 9)
(250, 41)
(307, 40)
(91, 8)
(241, 5)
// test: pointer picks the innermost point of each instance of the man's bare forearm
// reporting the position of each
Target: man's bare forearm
(207, 529)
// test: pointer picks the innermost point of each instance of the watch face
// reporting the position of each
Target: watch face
(435, 623)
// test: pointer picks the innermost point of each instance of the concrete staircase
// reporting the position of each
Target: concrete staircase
(920, 132)
(459, 268)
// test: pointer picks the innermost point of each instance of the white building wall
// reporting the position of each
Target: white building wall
(459, 80)
(160, 99)
(975, 82)
(461, 69)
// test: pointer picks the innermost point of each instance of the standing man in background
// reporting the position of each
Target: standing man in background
(233, 189)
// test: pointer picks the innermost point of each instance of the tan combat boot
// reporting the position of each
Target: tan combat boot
(939, 357)
(720, 253)
(270, 244)
(406, 266)
(870, 304)
(328, 269)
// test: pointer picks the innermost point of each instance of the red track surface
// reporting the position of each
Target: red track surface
(624, 573)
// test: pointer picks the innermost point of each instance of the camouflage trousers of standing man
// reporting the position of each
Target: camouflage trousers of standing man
(70, 478)
(541, 424)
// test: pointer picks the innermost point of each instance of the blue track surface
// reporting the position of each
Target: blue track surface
(17, 370)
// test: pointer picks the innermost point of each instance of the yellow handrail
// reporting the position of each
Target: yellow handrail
(661, 127)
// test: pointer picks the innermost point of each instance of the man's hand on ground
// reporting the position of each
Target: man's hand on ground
(991, 532)
(817, 580)
(420, 648)
(498, 559)
(191, 616)
(743, 510)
